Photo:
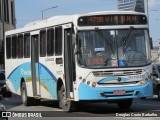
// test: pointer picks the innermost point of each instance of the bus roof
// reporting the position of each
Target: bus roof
(57, 20)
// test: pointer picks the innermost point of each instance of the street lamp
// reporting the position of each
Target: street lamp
(47, 9)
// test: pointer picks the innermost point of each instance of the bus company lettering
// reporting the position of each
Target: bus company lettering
(137, 76)
(49, 59)
(25, 72)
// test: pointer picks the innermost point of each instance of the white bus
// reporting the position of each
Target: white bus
(100, 56)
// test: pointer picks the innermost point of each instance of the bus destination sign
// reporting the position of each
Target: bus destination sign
(101, 20)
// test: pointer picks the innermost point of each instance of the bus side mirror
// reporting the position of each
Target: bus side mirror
(151, 42)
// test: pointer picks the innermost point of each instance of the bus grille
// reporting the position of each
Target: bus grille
(120, 83)
(117, 73)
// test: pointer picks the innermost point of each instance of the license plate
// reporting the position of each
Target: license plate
(119, 92)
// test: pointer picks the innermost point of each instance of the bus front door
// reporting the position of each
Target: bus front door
(69, 62)
(35, 65)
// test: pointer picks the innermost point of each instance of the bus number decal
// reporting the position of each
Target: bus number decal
(49, 59)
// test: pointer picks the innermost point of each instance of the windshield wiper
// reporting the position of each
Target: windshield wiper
(102, 35)
(127, 36)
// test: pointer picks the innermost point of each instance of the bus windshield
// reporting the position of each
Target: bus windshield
(113, 48)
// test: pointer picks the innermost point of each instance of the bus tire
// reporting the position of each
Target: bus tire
(66, 105)
(125, 104)
(25, 99)
(158, 92)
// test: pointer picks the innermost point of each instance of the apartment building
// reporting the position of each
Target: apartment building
(7, 22)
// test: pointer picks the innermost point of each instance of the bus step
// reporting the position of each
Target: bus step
(37, 97)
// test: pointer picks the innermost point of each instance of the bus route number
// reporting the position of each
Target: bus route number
(96, 19)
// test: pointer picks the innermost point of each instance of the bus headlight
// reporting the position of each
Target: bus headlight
(94, 84)
(142, 82)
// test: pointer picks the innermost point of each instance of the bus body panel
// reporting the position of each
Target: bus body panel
(106, 93)
(47, 80)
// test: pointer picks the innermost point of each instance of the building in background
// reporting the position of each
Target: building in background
(133, 5)
(7, 22)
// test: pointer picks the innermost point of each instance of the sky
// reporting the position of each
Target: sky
(31, 10)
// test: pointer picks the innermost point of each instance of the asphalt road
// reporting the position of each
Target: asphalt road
(148, 107)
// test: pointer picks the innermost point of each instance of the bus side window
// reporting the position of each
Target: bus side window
(43, 43)
(14, 47)
(20, 46)
(8, 47)
(50, 42)
(26, 45)
(58, 40)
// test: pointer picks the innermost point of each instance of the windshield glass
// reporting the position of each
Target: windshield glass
(113, 48)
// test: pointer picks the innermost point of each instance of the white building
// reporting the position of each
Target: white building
(7, 22)
(133, 5)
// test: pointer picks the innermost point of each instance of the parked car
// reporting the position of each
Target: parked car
(156, 79)
(3, 89)
(2, 109)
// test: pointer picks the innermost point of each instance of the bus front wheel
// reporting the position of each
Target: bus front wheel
(25, 99)
(66, 105)
(125, 104)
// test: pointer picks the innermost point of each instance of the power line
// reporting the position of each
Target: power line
(26, 20)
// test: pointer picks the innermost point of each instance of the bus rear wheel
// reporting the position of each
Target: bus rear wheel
(65, 104)
(125, 104)
(25, 99)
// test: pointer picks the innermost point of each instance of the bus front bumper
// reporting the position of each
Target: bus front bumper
(106, 93)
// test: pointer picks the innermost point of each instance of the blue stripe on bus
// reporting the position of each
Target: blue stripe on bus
(50, 73)
(13, 72)
(86, 92)
(24, 70)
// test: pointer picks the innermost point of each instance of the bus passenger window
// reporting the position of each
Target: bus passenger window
(50, 42)
(26, 45)
(58, 40)
(43, 43)
(20, 46)
(14, 47)
(8, 47)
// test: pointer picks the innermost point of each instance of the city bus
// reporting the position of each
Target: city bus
(93, 57)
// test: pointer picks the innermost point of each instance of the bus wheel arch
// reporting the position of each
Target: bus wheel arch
(64, 103)
(59, 84)
(25, 99)
(22, 80)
